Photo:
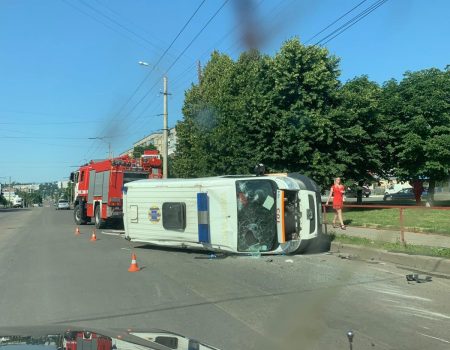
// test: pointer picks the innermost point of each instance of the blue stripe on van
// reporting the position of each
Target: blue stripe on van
(203, 215)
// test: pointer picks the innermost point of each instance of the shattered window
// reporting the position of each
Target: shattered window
(257, 230)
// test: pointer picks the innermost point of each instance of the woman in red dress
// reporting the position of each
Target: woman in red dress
(337, 191)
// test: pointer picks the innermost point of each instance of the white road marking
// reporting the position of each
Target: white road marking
(440, 339)
(398, 294)
(392, 301)
(425, 312)
(125, 248)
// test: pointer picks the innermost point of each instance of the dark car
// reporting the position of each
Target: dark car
(351, 192)
(405, 193)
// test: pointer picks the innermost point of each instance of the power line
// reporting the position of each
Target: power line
(197, 35)
(175, 61)
(351, 22)
(339, 33)
(106, 24)
(154, 66)
(335, 21)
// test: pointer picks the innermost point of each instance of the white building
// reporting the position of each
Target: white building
(27, 187)
(63, 184)
(156, 139)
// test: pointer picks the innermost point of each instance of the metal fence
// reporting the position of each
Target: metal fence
(400, 218)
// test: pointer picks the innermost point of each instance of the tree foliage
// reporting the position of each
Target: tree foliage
(291, 113)
(416, 116)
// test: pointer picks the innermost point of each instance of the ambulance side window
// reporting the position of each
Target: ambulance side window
(174, 216)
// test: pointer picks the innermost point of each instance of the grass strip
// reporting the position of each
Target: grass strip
(396, 247)
(416, 220)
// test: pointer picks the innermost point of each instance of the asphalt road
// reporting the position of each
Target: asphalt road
(50, 275)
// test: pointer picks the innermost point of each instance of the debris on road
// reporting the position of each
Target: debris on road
(289, 261)
(414, 277)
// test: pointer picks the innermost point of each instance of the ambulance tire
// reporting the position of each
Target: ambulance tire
(99, 222)
(78, 218)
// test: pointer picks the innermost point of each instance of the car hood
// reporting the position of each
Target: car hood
(66, 337)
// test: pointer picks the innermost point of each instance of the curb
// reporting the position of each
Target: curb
(428, 264)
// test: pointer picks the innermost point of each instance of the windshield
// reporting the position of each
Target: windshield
(256, 213)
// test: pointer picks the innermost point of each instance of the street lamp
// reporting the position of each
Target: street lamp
(165, 145)
(103, 139)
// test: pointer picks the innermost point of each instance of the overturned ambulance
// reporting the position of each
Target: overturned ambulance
(241, 214)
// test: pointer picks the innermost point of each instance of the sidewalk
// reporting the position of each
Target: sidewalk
(414, 238)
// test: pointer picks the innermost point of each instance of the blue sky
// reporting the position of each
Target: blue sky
(67, 67)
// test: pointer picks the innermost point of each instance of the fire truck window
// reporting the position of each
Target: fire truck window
(82, 176)
(174, 216)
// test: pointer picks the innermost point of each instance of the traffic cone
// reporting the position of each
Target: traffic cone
(77, 231)
(134, 266)
(93, 237)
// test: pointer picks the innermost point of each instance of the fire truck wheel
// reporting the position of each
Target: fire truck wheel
(99, 222)
(77, 216)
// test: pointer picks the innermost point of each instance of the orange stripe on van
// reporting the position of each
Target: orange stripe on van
(283, 231)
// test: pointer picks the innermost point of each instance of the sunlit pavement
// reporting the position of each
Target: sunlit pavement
(49, 274)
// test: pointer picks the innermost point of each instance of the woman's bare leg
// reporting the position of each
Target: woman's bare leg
(339, 214)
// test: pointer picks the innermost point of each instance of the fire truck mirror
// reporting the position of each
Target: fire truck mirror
(72, 176)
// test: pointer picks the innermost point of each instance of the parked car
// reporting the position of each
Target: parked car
(351, 192)
(63, 204)
(405, 193)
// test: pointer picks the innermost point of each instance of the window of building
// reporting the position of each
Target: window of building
(174, 216)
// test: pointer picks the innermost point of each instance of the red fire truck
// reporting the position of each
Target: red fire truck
(98, 186)
(86, 341)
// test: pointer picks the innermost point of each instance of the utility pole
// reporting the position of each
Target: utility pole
(10, 204)
(165, 132)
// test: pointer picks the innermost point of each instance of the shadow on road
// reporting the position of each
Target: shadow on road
(14, 209)
(203, 254)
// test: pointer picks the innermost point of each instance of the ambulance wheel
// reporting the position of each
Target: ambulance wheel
(77, 216)
(99, 222)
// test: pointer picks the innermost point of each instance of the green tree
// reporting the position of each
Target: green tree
(416, 116)
(358, 139)
(260, 109)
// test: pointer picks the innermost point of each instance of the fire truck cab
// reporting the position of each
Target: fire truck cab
(98, 186)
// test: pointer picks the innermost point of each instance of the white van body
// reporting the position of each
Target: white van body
(238, 214)
(394, 188)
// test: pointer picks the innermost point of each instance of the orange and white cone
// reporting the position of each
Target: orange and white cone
(77, 231)
(134, 266)
(93, 237)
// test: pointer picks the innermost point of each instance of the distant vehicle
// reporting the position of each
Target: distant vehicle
(351, 192)
(405, 194)
(17, 202)
(63, 204)
(396, 188)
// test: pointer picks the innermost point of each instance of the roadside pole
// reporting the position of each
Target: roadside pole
(165, 131)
